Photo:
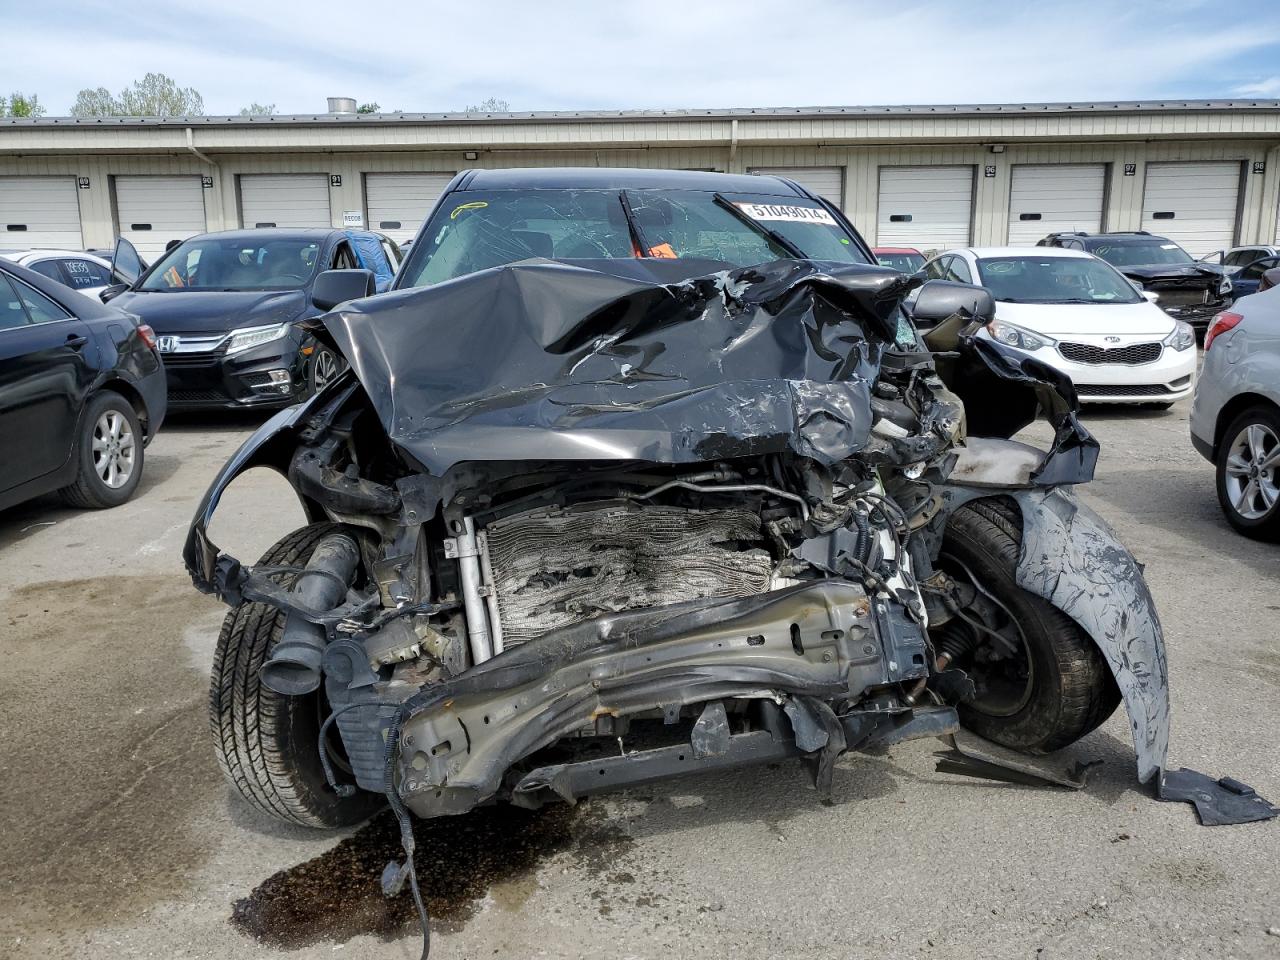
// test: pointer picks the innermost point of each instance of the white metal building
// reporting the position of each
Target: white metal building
(1206, 173)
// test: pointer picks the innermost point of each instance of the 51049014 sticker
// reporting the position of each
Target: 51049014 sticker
(787, 212)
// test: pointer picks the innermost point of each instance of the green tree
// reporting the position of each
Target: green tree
(19, 104)
(155, 95)
(490, 105)
(368, 108)
(95, 103)
(258, 110)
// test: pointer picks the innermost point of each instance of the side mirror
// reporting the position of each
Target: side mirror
(1270, 278)
(1150, 296)
(107, 294)
(939, 299)
(338, 286)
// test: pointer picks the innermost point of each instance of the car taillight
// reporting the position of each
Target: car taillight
(147, 334)
(1221, 324)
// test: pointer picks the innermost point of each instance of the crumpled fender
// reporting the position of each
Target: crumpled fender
(1072, 558)
(271, 445)
(1075, 561)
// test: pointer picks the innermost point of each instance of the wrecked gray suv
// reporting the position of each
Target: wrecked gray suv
(584, 523)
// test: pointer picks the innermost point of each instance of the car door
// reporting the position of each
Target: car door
(48, 361)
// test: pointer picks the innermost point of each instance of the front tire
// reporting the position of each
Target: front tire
(324, 366)
(267, 743)
(110, 454)
(1058, 687)
(1248, 473)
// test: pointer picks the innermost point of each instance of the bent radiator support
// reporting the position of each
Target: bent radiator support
(821, 639)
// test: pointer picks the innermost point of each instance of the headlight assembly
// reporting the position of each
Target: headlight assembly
(1017, 337)
(249, 337)
(1182, 337)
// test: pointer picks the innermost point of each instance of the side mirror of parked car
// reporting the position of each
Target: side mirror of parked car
(338, 286)
(1270, 278)
(107, 294)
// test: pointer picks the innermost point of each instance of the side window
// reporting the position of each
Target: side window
(12, 313)
(934, 269)
(47, 268)
(344, 259)
(85, 273)
(1074, 245)
(392, 252)
(40, 307)
(958, 271)
(1254, 271)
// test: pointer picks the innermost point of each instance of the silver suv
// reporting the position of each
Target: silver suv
(1235, 416)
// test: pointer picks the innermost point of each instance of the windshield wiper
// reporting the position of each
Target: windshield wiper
(778, 239)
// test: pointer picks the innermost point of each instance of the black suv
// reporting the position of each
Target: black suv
(1189, 289)
(229, 310)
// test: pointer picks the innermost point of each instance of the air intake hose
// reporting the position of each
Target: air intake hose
(294, 667)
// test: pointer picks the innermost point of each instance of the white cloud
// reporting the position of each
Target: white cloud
(1269, 87)
(585, 54)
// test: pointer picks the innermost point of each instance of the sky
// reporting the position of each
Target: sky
(621, 54)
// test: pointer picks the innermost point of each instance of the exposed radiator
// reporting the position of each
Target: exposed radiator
(554, 567)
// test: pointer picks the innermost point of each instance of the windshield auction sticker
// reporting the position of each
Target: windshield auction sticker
(781, 211)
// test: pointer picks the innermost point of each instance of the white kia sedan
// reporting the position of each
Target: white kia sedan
(83, 272)
(1077, 313)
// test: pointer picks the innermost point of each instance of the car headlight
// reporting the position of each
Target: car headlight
(1182, 337)
(255, 336)
(1224, 287)
(1013, 336)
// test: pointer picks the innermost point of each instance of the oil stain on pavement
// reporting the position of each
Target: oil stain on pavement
(460, 861)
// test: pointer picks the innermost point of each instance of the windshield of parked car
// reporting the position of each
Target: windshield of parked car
(1028, 279)
(229, 263)
(1141, 253)
(477, 230)
(906, 262)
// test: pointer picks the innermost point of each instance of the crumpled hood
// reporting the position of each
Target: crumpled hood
(633, 360)
(213, 311)
(1209, 272)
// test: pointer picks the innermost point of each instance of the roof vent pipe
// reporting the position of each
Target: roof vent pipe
(342, 105)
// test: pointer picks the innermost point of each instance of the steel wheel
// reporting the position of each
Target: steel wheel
(114, 449)
(1253, 460)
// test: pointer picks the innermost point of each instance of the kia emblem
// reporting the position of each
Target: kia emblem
(1108, 339)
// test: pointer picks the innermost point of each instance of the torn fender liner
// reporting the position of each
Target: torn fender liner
(1072, 559)
(560, 362)
(1217, 802)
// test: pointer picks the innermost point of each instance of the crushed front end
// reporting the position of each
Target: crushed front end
(650, 524)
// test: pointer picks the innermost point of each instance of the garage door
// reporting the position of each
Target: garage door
(1194, 204)
(1052, 197)
(929, 208)
(826, 182)
(397, 203)
(285, 200)
(151, 211)
(39, 212)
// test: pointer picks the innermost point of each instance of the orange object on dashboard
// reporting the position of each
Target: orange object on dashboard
(665, 251)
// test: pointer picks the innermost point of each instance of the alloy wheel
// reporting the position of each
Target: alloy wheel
(326, 368)
(1252, 468)
(114, 449)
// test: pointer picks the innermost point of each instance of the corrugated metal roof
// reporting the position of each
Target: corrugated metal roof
(904, 110)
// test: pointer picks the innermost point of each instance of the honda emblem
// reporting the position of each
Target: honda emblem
(167, 344)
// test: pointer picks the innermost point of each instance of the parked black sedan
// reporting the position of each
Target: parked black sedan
(228, 309)
(82, 392)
